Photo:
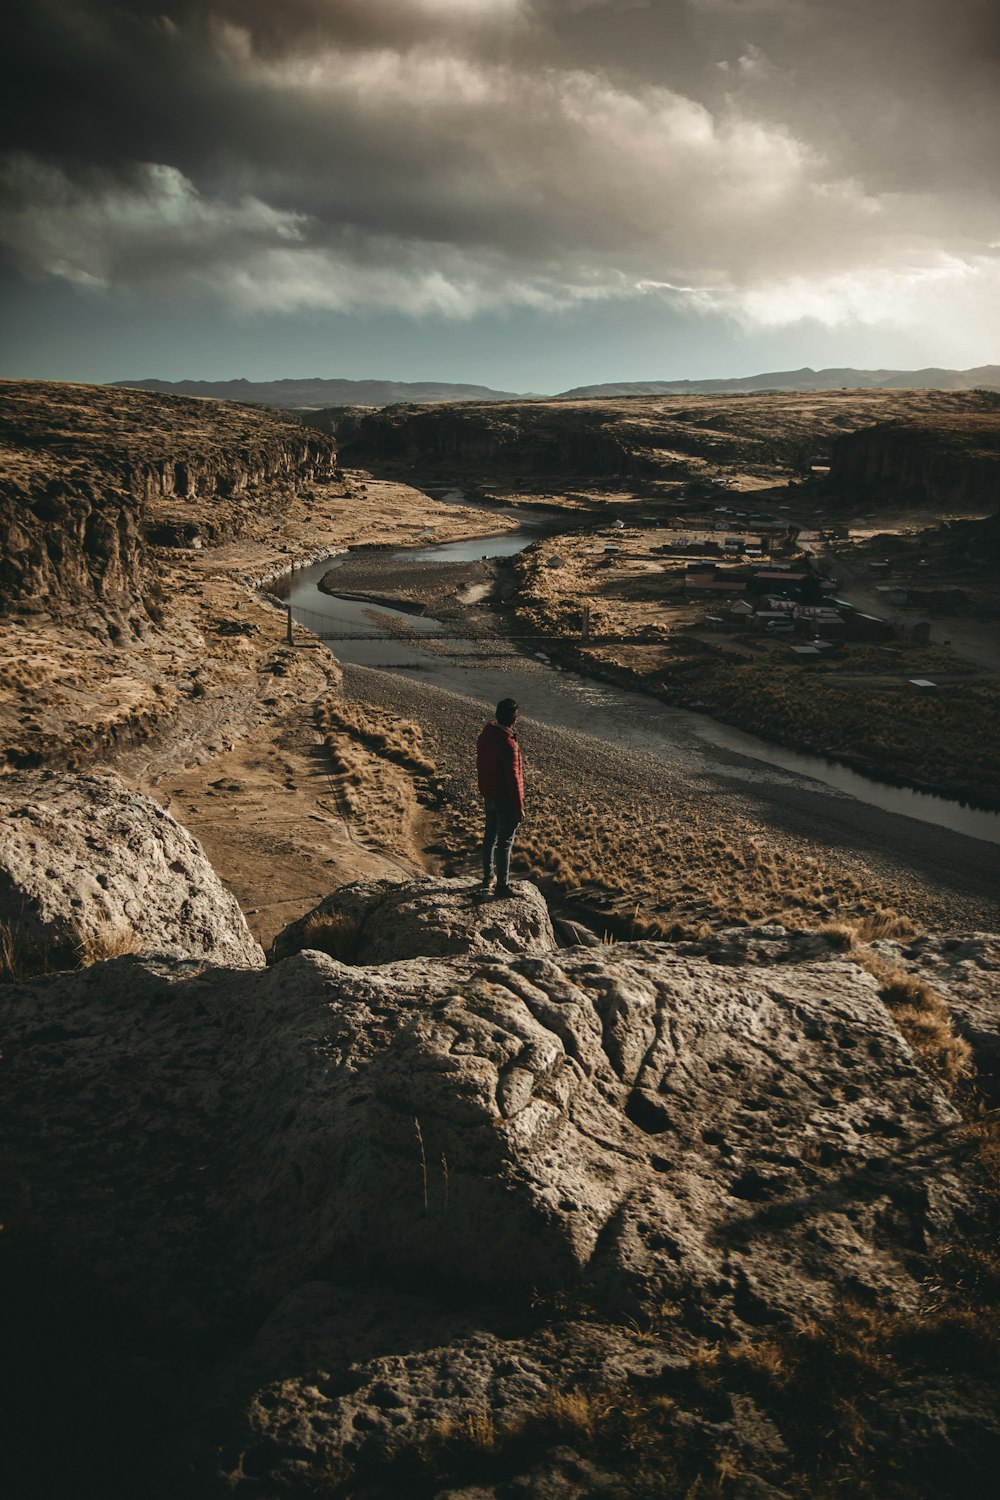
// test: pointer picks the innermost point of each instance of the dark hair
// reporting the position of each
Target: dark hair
(506, 710)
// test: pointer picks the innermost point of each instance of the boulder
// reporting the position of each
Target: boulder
(745, 1144)
(89, 868)
(380, 921)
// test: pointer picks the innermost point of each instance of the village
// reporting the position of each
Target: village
(868, 641)
(767, 583)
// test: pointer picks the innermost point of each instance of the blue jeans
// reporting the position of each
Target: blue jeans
(501, 825)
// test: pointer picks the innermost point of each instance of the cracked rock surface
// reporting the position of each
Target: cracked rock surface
(375, 1171)
(426, 918)
(747, 1143)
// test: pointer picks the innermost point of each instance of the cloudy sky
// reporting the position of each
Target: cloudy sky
(532, 194)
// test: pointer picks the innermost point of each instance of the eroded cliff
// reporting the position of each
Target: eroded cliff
(89, 475)
(669, 437)
(948, 463)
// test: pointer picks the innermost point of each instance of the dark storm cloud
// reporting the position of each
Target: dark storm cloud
(771, 158)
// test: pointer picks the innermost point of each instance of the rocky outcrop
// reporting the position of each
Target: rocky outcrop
(665, 436)
(746, 1143)
(373, 1168)
(952, 462)
(90, 472)
(380, 921)
(87, 868)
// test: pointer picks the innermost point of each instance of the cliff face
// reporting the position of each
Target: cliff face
(946, 463)
(89, 474)
(669, 436)
(513, 435)
(67, 539)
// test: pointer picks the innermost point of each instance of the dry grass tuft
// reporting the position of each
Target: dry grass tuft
(331, 932)
(107, 940)
(392, 738)
(922, 1017)
(21, 959)
(882, 923)
(13, 964)
(382, 773)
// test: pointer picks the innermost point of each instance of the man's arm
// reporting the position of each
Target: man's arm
(514, 778)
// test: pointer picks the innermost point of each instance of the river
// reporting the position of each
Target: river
(567, 700)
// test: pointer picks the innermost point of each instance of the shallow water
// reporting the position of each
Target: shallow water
(471, 549)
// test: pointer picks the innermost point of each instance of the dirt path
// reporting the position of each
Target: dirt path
(270, 818)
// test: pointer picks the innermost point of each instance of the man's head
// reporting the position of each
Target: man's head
(506, 712)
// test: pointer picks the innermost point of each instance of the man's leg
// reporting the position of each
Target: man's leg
(506, 829)
(490, 839)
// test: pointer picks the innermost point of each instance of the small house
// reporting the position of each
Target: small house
(862, 627)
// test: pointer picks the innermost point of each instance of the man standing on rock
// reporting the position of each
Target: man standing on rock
(501, 783)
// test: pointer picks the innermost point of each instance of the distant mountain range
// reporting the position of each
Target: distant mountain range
(315, 394)
(804, 380)
(305, 394)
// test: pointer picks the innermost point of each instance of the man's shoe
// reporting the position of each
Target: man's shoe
(503, 891)
(486, 884)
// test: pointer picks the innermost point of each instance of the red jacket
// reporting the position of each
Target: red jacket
(498, 763)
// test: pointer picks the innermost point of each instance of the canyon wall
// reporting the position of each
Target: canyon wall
(511, 435)
(89, 475)
(669, 437)
(952, 464)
